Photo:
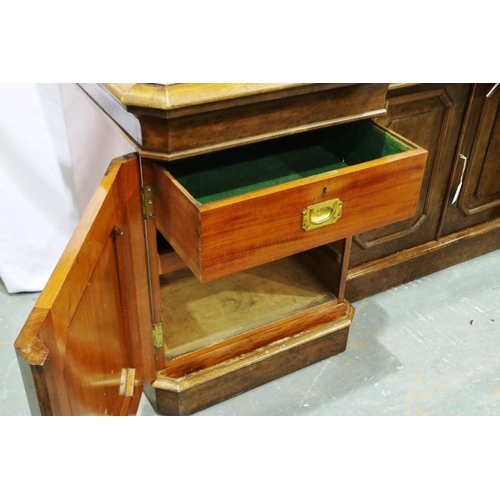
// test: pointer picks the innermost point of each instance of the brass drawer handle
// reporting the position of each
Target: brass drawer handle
(321, 214)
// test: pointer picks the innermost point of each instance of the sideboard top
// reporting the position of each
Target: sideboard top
(169, 121)
(172, 96)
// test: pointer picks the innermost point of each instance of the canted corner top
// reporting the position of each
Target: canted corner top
(172, 96)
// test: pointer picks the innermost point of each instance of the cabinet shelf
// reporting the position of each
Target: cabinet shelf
(199, 315)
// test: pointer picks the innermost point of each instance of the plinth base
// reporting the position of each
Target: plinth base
(198, 390)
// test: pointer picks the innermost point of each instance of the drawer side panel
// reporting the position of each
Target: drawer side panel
(177, 218)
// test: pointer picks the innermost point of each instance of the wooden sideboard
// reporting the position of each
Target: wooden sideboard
(193, 296)
(458, 214)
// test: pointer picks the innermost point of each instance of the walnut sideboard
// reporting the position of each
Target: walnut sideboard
(215, 257)
(458, 212)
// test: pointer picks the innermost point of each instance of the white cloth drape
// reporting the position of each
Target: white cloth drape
(38, 210)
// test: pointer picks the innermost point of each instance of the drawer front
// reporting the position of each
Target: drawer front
(227, 235)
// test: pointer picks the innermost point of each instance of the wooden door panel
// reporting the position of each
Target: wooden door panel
(86, 348)
(475, 188)
(489, 179)
(93, 364)
(429, 115)
(482, 181)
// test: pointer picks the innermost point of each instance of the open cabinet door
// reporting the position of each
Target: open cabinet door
(86, 348)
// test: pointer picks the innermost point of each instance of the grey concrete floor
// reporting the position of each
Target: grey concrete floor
(430, 347)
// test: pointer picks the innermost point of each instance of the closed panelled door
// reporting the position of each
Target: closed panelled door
(430, 115)
(474, 195)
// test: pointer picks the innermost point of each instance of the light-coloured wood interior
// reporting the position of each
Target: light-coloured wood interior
(197, 315)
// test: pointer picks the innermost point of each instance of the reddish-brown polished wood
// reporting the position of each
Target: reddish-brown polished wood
(254, 339)
(199, 390)
(209, 121)
(92, 326)
(153, 265)
(87, 333)
(238, 233)
(169, 261)
(329, 263)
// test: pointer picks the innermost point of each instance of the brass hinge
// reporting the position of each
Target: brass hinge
(147, 201)
(157, 335)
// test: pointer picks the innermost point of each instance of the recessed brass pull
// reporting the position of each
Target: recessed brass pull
(321, 214)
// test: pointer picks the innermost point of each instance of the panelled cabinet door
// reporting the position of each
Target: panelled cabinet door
(86, 348)
(474, 197)
(429, 115)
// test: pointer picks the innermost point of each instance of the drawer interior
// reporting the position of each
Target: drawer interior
(237, 171)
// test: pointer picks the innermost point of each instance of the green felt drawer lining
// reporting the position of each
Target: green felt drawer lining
(236, 171)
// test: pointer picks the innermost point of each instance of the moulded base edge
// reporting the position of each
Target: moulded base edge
(199, 390)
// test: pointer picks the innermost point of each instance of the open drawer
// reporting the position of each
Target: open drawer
(235, 209)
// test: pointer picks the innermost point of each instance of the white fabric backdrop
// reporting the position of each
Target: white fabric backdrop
(38, 210)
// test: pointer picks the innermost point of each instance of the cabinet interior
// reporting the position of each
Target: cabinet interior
(197, 315)
(200, 316)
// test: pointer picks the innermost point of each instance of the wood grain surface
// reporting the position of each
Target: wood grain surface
(240, 232)
(198, 390)
(86, 347)
(190, 119)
